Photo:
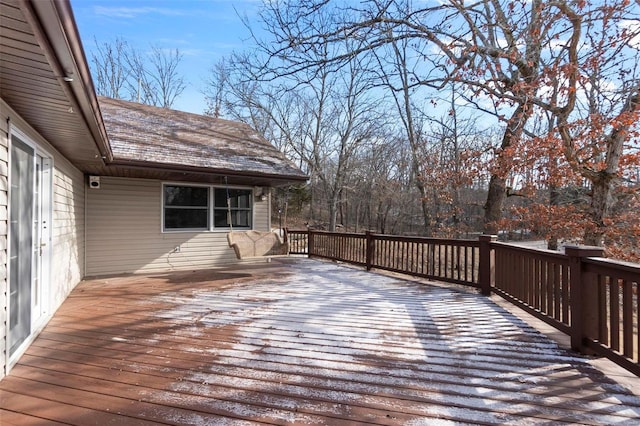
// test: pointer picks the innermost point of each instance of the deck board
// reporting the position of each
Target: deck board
(298, 341)
(11, 418)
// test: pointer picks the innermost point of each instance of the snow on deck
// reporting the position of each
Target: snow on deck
(306, 342)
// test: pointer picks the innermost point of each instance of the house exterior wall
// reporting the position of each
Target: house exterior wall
(67, 250)
(124, 232)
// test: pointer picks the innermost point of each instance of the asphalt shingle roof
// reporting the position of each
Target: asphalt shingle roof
(143, 133)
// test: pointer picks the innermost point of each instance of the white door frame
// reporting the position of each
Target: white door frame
(40, 290)
(41, 243)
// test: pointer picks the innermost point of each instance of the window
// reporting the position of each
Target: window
(196, 208)
(186, 207)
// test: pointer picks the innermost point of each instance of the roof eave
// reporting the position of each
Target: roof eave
(282, 179)
(54, 27)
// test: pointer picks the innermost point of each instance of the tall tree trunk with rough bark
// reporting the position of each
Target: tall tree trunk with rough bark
(497, 193)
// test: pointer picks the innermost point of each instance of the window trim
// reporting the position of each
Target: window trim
(210, 208)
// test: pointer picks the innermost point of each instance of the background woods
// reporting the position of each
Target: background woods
(444, 119)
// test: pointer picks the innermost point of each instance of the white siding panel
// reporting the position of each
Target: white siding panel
(261, 214)
(124, 232)
(68, 229)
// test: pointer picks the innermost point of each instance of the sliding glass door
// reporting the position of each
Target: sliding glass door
(29, 233)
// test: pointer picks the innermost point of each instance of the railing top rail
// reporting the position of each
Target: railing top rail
(536, 252)
(454, 242)
(339, 234)
(613, 267)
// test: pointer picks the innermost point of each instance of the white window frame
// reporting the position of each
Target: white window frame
(210, 208)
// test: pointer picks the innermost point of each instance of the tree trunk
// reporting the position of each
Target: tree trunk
(456, 213)
(426, 212)
(601, 202)
(382, 217)
(554, 198)
(497, 193)
(312, 210)
(495, 201)
(333, 212)
(344, 219)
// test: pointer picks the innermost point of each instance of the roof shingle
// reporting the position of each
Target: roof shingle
(142, 133)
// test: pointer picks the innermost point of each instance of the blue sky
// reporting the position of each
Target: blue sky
(203, 30)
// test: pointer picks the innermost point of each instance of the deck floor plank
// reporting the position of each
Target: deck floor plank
(199, 396)
(11, 418)
(237, 364)
(31, 400)
(298, 342)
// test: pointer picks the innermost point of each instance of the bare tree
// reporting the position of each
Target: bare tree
(396, 72)
(139, 86)
(109, 67)
(453, 146)
(215, 86)
(123, 72)
(162, 71)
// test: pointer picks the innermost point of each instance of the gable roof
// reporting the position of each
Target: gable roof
(150, 137)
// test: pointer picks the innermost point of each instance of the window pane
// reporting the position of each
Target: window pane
(176, 218)
(220, 197)
(239, 218)
(191, 196)
(220, 219)
(243, 199)
(239, 198)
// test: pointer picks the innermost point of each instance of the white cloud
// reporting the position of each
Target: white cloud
(634, 28)
(558, 44)
(134, 12)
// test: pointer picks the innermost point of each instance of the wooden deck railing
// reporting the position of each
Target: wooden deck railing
(610, 317)
(535, 280)
(298, 241)
(594, 300)
(453, 261)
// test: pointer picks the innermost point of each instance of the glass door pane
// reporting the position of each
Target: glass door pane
(21, 244)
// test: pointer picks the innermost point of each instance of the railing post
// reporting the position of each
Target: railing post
(310, 243)
(583, 296)
(486, 266)
(370, 247)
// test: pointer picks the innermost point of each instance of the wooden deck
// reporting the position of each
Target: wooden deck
(298, 341)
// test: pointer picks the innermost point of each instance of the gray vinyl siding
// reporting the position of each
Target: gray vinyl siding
(124, 232)
(68, 229)
(67, 252)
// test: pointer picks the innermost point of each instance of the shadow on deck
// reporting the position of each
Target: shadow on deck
(299, 341)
